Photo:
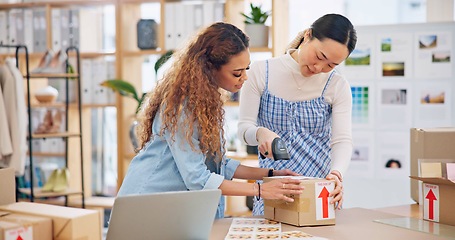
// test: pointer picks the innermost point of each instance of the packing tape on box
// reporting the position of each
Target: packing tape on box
(24, 223)
(299, 204)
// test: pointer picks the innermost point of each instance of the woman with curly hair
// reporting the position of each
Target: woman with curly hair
(181, 125)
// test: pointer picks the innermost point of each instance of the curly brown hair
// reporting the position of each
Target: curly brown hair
(189, 90)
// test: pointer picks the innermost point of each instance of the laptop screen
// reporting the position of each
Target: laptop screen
(168, 215)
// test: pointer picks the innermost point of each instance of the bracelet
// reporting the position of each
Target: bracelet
(270, 174)
(259, 192)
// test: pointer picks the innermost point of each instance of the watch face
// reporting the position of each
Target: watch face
(146, 34)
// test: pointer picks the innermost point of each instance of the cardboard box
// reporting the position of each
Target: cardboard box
(431, 143)
(68, 223)
(311, 208)
(27, 227)
(7, 186)
(438, 201)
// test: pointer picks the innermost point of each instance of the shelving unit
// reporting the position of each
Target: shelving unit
(129, 58)
(78, 180)
(35, 192)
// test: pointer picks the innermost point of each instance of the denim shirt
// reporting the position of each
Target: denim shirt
(167, 164)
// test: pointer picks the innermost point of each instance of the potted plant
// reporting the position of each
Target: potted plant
(126, 89)
(255, 26)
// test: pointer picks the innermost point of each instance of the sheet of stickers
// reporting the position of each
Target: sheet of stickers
(260, 228)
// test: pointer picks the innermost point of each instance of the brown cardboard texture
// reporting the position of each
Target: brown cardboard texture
(68, 223)
(311, 208)
(41, 227)
(438, 200)
(7, 186)
(430, 143)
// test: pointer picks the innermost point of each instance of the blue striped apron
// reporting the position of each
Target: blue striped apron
(305, 127)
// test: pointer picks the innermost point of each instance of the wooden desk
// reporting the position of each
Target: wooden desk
(411, 210)
(351, 224)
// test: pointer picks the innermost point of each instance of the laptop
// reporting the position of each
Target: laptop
(168, 215)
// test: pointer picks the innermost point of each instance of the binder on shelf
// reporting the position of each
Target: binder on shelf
(29, 30)
(169, 26)
(208, 12)
(86, 81)
(39, 30)
(198, 21)
(99, 74)
(91, 24)
(74, 27)
(20, 26)
(3, 30)
(189, 21)
(179, 24)
(111, 74)
(12, 35)
(56, 29)
(64, 28)
(218, 12)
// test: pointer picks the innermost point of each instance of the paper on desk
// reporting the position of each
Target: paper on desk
(254, 228)
(261, 228)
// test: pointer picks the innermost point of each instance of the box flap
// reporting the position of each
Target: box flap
(437, 181)
(439, 129)
(2, 214)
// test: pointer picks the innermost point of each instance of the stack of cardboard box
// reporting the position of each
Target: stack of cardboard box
(42, 221)
(433, 173)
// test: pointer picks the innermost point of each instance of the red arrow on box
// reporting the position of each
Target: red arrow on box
(431, 198)
(325, 202)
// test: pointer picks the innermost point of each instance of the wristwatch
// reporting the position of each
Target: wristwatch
(270, 173)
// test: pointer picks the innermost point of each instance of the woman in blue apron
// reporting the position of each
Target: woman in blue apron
(300, 98)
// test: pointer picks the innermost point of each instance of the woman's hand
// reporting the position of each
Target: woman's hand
(337, 193)
(279, 188)
(285, 172)
(265, 138)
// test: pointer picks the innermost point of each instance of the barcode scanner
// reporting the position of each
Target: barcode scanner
(279, 150)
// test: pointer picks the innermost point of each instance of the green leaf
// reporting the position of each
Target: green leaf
(123, 87)
(140, 102)
(162, 60)
(256, 15)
